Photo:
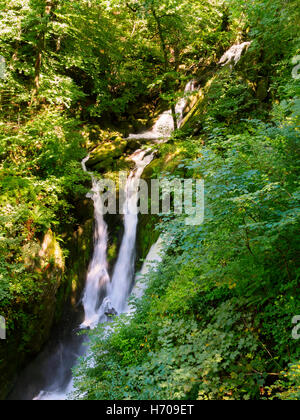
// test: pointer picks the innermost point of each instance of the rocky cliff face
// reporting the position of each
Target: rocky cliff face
(60, 275)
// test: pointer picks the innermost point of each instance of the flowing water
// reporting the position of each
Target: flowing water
(234, 54)
(164, 126)
(51, 371)
(153, 258)
(124, 269)
(97, 278)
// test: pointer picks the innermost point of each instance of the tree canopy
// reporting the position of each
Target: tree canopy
(216, 319)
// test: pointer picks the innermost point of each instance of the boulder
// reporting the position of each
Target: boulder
(109, 311)
(104, 154)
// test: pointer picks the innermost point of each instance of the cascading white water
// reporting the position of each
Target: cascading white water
(154, 257)
(164, 126)
(55, 396)
(234, 54)
(118, 290)
(97, 277)
(124, 269)
(180, 107)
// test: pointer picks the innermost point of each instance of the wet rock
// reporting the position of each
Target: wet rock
(109, 311)
(262, 89)
(104, 155)
(61, 283)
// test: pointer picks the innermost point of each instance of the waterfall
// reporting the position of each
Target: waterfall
(97, 277)
(154, 257)
(234, 54)
(119, 288)
(124, 269)
(164, 126)
(114, 293)
(55, 396)
(180, 107)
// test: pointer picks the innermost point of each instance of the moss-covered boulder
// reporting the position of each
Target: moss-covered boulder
(163, 163)
(80, 246)
(59, 271)
(147, 235)
(27, 334)
(102, 158)
(196, 106)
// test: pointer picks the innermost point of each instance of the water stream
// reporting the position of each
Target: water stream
(97, 278)
(164, 126)
(49, 377)
(124, 269)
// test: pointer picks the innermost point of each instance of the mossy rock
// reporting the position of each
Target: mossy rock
(196, 107)
(28, 334)
(262, 89)
(147, 235)
(94, 135)
(135, 144)
(61, 282)
(104, 154)
(140, 124)
(116, 231)
(80, 247)
(163, 164)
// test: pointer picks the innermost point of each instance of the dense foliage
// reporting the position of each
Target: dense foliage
(216, 319)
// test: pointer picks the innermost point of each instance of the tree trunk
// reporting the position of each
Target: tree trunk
(41, 46)
(162, 38)
(37, 70)
(166, 59)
